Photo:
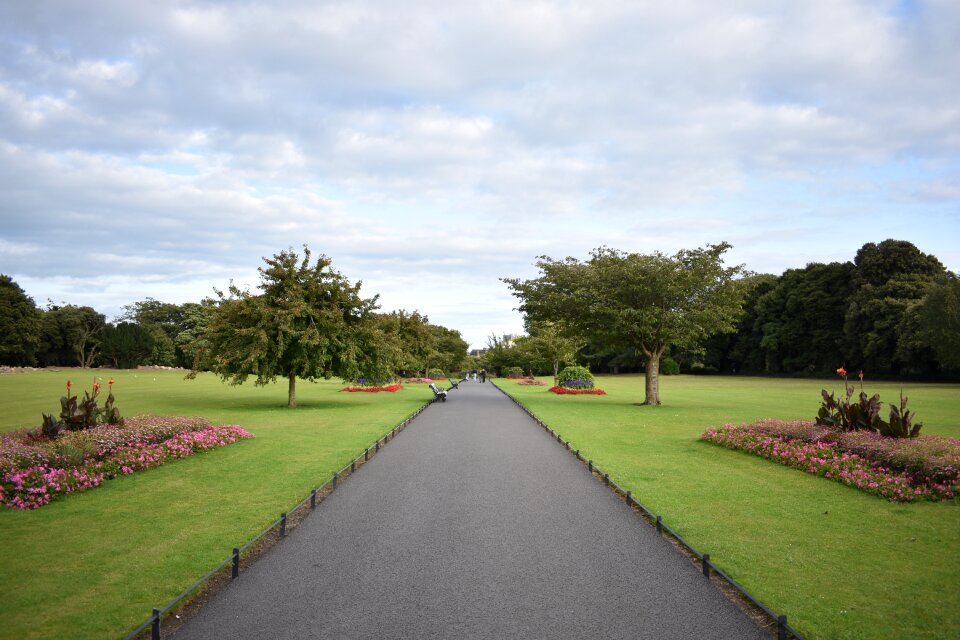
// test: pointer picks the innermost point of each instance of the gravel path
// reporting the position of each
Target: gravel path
(473, 523)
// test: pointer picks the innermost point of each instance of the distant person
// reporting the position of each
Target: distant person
(483, 375)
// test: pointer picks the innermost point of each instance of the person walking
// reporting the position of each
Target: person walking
(483, 375)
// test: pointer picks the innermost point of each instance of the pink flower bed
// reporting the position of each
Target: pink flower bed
(532, 382)
(391, 388)
(567, 391)
(34, 471)
(901, 470)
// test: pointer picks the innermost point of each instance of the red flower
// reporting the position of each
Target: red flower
(842, 372)
(110, 382)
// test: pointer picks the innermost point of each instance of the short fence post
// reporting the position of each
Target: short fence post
(283, 525)
(659, 524)
(333, 481)
(313, 499)
(155, 630)
(590, 465)
(706, 565)
(366, 454)
(629, 498)
(606, 479)
(559, 438)
(235, 573)
(578, 455)
(353, 466)
(782, 628)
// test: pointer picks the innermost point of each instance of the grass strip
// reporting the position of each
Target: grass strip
(838, 562)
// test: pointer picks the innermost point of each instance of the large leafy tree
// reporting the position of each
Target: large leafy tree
(634, 300)
(309, 322)
(450, 349)
(891, 278)
(938, 317)
(19, 325)
(70, 335)
(126, 344)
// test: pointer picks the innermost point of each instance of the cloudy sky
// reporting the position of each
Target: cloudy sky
(431, 147)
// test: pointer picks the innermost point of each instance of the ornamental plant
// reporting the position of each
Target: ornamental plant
(575, 378)
(78, 416)
(864, 414)
(515, 372)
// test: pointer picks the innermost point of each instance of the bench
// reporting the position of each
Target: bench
(438, 393)
(455, 385)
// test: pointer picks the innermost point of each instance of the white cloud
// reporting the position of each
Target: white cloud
(451, 143)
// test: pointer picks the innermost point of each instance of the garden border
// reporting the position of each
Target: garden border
(321, 492)
(707, 566)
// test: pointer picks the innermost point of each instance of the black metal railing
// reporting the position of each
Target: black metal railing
(155, 619)
(784, 630)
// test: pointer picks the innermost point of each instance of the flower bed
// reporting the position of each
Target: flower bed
(34, 471)
(532, 382)
(417, 380)
(901, 470)
(391, 388)
(566, 391)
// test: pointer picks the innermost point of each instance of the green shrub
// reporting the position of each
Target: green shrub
(575, 378)
(700, 369)
(436, 373)
(514, 372)
(669, 366)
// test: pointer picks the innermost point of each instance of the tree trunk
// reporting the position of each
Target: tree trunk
(292, 391)
(653, 377)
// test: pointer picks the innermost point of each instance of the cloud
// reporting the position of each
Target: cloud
(431, 147)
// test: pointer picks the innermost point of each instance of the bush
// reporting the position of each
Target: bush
(575, 378)
(514, 372)
(865, 413)
(700, 369)
(669, 367)
(435, 373)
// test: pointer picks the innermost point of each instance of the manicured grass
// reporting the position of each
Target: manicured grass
(93, 565)
(840, 563)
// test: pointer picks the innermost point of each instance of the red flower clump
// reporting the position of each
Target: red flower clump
(566, 391)
(390, 388)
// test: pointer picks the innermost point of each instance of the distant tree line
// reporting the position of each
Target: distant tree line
(893, 311)
(307, 320)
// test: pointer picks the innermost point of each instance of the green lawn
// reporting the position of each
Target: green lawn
(840, 563)
(93, 565)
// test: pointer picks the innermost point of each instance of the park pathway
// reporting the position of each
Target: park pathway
(473, 523)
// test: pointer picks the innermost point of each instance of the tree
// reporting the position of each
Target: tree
(549, 347)
(70, 335)
(413, 342)
(308, 322)
(938, 316)
(451, 348)
(891, 278)
(19, 325)
(126, 344)
(627, 300)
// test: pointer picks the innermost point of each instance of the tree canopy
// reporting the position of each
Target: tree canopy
(635, 300)
(19, 325)
(309, 322)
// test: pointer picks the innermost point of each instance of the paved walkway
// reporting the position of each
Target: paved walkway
(473, 523)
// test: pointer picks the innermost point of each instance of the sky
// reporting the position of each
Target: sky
(430, 148)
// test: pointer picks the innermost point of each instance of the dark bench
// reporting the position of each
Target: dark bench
(438, 393)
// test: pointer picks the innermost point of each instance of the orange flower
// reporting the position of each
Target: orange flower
(842, 371)
(111, 381)
(96, 388)
(861, 375)
(68, 386)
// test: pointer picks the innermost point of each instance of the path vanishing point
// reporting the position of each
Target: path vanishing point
(474, 523)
